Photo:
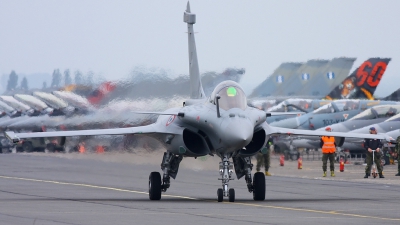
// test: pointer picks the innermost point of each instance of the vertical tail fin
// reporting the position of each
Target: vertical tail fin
(362, 83)
(197, 91)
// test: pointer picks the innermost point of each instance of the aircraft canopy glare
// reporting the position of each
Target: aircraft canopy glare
(347, 105)
(231, 95)
(338, 106)
(285, 105)
(380, 111)
(394, 118)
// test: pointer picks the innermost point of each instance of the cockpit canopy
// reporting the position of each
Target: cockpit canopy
(231, 96)
(381, 111)
(338, 106)
(287, 105)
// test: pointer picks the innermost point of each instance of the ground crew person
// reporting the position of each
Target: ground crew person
(328, 146)
(369, 145)
(265, 158)
(398, 155)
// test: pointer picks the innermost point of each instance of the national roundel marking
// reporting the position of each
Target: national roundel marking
(279, 79)
(305, 76)
(170, 120)
(330, 75)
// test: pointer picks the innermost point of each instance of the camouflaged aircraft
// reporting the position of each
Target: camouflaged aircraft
(363, 120)
(221, 125)
(335, 112)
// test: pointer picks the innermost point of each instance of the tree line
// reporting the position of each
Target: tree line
(58, 80)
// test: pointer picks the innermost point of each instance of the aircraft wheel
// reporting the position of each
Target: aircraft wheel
(50, 147)
(220, 194)
(155, 186)
(231, 195)
(259, 186)
(27, 146)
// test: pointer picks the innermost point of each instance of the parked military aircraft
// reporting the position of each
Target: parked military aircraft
(21, 108)
(8, 110)
(221, 125)
(335, 112)
(60, 106)
(279, 79)
(36, 104)
(362, 83)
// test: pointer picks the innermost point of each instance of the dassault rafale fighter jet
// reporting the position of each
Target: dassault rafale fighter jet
(221, 125)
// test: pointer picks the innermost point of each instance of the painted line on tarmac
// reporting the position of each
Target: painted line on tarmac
(91, 186)
(190, 198)
(314, 211)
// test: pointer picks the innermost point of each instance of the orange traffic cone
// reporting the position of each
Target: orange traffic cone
(299, 163)
(282, 160)
(81, 148)
(341, 167)
(99, 149)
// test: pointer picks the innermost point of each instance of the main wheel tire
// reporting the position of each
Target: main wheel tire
(220, 194)
(231, 195)
(259, 186)
(27, 146)
(50, 147)
(155, 186)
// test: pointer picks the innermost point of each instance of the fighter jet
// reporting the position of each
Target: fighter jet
(363, 120)
(335, 112)
(39, 107)
(362, 83)
(60, 106)
(22, 108)
(78, 102)
(279, 79)
(8, 110)
(301, 106)
(221, 125)
(321, 82)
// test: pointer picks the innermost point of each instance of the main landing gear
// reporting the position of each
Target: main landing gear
(243, 167)
(170, 166)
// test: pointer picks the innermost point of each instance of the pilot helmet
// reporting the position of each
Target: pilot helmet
(328, 129)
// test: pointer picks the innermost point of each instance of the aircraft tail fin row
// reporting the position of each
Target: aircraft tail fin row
(196, 87)
(362, 83)
(395, 96)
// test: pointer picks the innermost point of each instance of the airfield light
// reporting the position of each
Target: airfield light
(231, 92)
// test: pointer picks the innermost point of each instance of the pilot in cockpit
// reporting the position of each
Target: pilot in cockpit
(231, 96)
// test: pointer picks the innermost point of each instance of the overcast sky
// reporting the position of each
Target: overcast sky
(113, 37)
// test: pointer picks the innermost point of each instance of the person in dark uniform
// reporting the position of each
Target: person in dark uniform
(369, 145)
(328, 147)
(398, 155)
(265, 158)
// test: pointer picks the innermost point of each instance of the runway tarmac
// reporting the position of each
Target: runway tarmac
(112, 189)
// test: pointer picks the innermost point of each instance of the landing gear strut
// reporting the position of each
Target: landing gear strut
(225, 170)
(170, 166)
(243, 167)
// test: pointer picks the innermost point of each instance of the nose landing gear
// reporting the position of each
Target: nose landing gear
(225, 170)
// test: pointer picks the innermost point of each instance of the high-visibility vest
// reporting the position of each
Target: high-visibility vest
(329, 144)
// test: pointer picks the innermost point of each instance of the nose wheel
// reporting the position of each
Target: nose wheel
(231, 195)
(225, 170)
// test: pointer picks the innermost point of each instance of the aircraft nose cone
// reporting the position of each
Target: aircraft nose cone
(286, 123)
(238, 135)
